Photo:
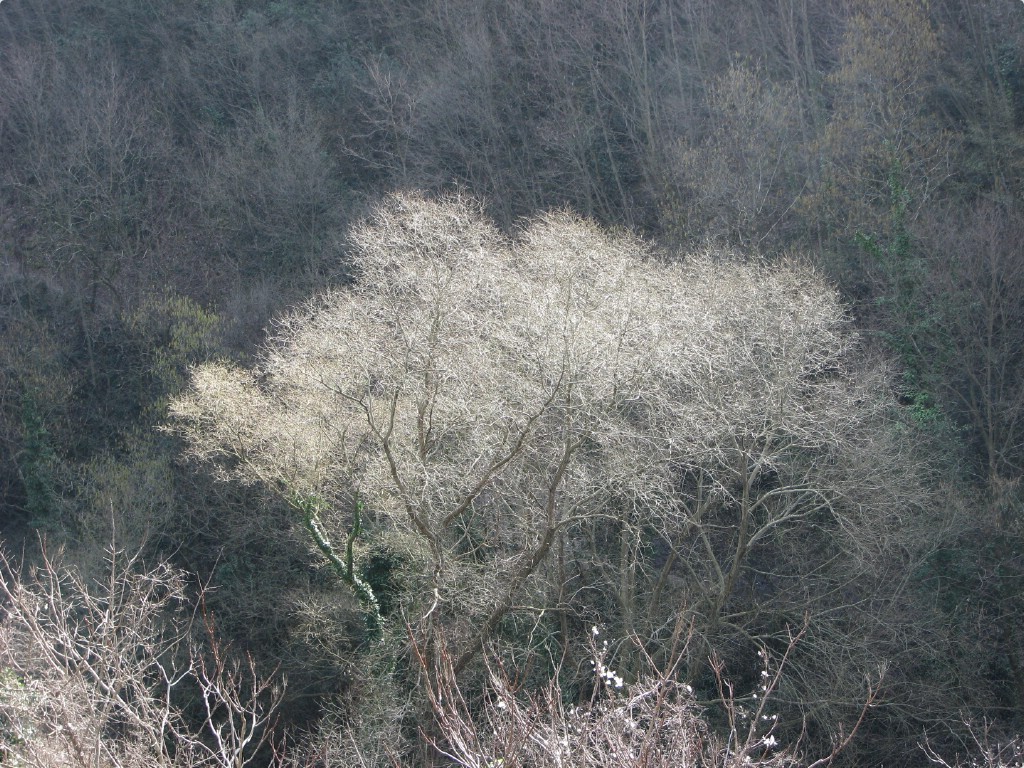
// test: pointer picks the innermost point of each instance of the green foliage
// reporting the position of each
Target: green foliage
(923, 409)
(910, 322)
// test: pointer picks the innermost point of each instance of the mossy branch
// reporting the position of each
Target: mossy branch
(310, 506)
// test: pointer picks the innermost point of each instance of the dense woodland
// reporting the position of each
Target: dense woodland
(449, 382)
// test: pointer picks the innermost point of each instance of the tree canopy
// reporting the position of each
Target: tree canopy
(493, 400)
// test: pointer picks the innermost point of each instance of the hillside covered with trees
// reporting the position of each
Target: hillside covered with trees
(521, 383)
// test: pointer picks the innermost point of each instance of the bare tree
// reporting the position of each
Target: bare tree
(970, 338)
(958, 315)
(266, 200)
(881, 150)
(493, 403)
(464, 408)
(743, 178)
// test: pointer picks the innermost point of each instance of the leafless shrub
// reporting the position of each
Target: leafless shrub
(99, 673)
(990, 751)
(654, 721)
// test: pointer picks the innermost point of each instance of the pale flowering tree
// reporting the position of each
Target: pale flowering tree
(516, 415)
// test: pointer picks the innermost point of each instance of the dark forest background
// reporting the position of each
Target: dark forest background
(174, 174)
